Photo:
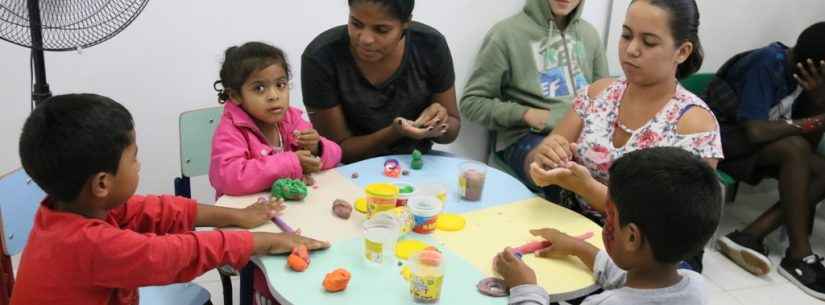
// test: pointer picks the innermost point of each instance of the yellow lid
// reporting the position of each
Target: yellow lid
(450, 222)
(385, 190)
(361, 205)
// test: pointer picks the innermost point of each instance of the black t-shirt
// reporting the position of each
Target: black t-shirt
(330, 77)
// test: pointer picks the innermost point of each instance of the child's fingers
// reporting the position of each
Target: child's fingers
(543, 233)
(813, 69)
(312, 244)
(802, 82)
(803, 71)
(508, 256)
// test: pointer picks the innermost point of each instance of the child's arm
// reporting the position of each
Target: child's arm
(252, 216)
(123, 258)
(236, 171)
(156, 214)
(608, 275)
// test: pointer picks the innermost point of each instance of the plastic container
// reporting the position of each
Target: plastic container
(380, 197)
(380, 237)
(471, 176)
(433, 189)
(405, 191)
(426, 276)
(401, 215)
(425, 211)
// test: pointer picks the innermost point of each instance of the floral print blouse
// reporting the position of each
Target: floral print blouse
(600, 119)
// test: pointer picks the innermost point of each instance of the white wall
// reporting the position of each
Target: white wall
(732, 26)
(166, 61)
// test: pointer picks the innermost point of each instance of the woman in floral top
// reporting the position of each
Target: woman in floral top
(647, 109)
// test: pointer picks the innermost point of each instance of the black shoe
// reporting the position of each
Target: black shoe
(746, 251)
(807, 273)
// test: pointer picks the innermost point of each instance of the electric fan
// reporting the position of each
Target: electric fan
(62, 25)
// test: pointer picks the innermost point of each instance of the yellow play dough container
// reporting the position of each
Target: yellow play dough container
(380, 197)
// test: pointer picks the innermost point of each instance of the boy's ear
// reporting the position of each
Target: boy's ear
(100, 185)
(633, 237)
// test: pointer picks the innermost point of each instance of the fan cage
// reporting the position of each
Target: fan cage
(68, 24)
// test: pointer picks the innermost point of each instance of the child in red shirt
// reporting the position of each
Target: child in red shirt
(93, 242)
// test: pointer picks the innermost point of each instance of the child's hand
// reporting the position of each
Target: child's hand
(408, 129)
(560, 244)
(309, 139)
(280, 243)
(309, 162)
(513, 270)
(434, 116)
(259, 213)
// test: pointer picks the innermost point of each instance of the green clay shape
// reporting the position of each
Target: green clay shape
(289, 189)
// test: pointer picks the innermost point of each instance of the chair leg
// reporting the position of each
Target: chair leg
(183, 187)
(246, 289)
(226, 282)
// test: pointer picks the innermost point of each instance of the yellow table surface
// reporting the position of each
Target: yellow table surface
(489, 231)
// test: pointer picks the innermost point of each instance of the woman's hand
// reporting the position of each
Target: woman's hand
(434, 116)
(554, 151)
(571, 176)
(409, 129)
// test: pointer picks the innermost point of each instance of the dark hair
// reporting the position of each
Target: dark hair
(684, 26)
(69, 138)
(240, 62)
(811, 44)
(671, 195)
(400, 9)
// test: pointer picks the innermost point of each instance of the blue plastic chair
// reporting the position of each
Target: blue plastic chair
(19, 199)
(196, 129)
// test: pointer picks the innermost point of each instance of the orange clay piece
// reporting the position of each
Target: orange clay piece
(299, 259)
(430, 257)
(337, 280)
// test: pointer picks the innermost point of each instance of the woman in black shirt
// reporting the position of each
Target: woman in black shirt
(382, 84)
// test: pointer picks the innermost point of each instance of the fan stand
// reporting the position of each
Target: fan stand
(41, 91)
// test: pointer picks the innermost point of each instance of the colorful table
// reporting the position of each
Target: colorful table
(502, 218)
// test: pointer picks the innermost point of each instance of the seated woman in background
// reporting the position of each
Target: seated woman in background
(771, 105)
(524, 79)
(382, 84)
(648, 108)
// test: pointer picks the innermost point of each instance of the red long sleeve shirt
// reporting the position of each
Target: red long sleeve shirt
(71, 259)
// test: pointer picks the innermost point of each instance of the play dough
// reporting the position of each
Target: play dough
(405, 248)
(337, 280)
(289, 189)
(450, 222)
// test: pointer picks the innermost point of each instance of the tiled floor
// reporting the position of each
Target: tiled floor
(727, 283)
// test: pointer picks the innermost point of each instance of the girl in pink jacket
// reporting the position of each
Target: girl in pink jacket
(260, 137)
